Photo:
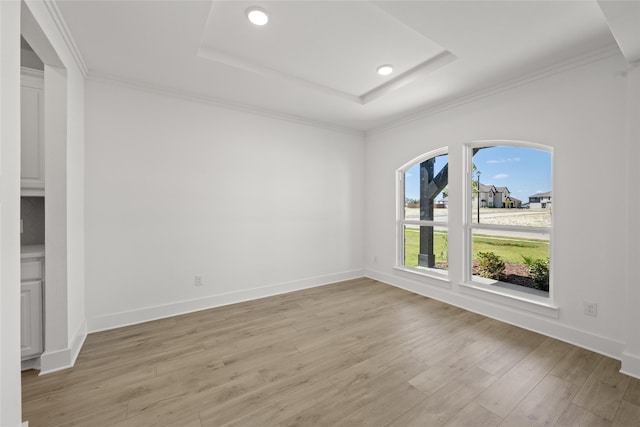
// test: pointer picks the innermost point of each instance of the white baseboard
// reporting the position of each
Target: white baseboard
(58, 360)
(527, 320)
(630, 365)
(54, 361)
(146, 314)
(78, 341)
(30, 364)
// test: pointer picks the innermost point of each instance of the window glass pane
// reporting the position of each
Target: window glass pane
(426, 190)
(511, 186)
(519, 258)
(426, 246)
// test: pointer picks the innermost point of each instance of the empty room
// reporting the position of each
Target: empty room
(319, 213)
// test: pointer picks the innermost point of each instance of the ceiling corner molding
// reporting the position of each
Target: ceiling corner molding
(26, 71)
(221, 103)
(623, 19)
(454, 102)
(61, 25)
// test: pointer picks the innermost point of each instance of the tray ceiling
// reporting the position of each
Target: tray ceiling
(316, 60)
(333, 47)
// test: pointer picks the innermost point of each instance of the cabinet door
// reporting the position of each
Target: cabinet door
(32, 138)
(31, 319)
(31, 269)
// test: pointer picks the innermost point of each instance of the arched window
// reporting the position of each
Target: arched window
(422, 218)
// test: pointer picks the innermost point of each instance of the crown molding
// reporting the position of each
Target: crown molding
(570, 64)
(61, 25)
(219, 102)
(31, 72)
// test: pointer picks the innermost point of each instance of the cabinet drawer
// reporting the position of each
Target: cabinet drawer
(31, 269)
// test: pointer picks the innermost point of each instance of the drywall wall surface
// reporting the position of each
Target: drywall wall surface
(581, 114)
(10, 392)
(75, 210)
(631, 357)
(177, 189)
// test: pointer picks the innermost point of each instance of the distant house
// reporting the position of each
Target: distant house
(512, 202)
(540, 201)
(485, 195)
(502, 195)
(491, 196)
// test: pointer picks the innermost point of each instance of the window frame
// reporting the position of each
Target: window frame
(442, 276)
(504, 293)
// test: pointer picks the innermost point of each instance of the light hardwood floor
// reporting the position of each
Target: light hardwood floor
(353, 353)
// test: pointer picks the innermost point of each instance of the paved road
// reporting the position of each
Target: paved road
(517, 234)
(522, 217)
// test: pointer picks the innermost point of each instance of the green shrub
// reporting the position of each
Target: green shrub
(539, 271)
(490, 265)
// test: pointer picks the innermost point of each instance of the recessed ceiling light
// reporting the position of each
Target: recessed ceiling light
(257, 16)
(385, 70)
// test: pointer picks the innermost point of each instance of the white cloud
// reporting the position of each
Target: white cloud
(509, 160)
(501, 176)
(408, 174)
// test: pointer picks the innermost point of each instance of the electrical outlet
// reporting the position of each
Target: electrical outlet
(590, 309)
(198, 281)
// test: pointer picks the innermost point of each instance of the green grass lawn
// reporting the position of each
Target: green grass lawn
(412, 246)
(509, 249)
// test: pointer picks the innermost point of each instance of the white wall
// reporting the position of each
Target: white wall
(631, 356)
(176, 188)
(77, 325)
(10, 402)
(581, 113)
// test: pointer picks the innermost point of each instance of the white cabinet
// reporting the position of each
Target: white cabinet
(31, 319)
(32, 133)
(31, 291)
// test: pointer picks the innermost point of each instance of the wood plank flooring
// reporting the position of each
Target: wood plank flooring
(357, 353)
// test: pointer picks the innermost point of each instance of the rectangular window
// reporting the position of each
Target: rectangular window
(423, 214)
(509, 218)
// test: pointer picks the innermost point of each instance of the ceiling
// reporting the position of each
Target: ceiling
(317, 60)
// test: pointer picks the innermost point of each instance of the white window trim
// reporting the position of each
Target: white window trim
(440, 275)
(513, 298)
(504, 293)
(440, 279)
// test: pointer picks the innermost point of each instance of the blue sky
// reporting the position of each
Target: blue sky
(523, 170)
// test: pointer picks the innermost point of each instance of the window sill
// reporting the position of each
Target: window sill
(441, 279)
(531, 300)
